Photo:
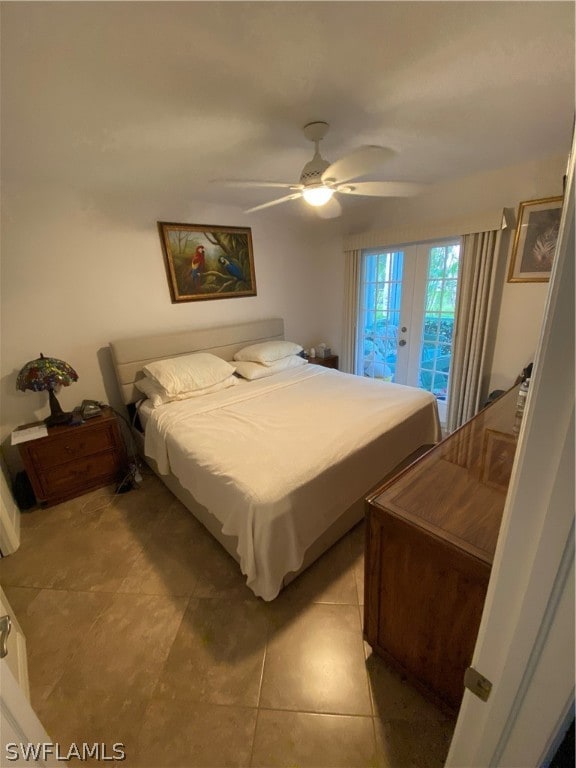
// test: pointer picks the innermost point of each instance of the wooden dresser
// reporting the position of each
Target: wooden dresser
(72, 460)
(430, 542)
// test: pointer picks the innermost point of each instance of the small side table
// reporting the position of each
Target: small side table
(328, 362)
(73, 460)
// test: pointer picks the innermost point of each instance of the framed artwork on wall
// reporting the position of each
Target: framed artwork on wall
(535, 240)
(207, 262)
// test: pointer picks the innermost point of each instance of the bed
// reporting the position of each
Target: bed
(275, 468)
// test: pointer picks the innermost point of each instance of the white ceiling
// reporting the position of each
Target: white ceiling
(153, 99)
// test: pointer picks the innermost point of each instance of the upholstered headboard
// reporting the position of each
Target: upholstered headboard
(130, 355)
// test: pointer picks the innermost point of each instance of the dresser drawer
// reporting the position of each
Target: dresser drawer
(92, 471)
(61, 449)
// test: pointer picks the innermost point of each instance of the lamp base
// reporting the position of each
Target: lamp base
(58, 419)
(57, 416)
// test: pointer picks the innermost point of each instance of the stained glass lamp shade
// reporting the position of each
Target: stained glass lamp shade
(47, 373)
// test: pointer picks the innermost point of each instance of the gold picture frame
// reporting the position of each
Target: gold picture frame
(535, 240)
(207, 262)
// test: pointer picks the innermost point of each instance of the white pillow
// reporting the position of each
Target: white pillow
(158, 396)
(249, 370)
(189, 372)
(268, 351)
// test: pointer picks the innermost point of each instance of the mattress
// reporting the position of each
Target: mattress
(278, 460)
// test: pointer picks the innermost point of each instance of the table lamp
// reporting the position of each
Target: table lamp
(48, 373)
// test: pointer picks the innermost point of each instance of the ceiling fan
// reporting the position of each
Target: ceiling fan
(320, 179)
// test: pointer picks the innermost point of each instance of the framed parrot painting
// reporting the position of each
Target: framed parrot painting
(207, 262)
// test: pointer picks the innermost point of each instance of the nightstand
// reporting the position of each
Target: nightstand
(72, 460)
(328, 362)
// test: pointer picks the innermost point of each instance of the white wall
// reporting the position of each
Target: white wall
(74, 277)
(325, 242)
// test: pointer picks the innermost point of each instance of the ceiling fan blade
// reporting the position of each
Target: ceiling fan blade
(358, 163)
(331, 210)
(240, 183)
(274, 202)
(382, 188)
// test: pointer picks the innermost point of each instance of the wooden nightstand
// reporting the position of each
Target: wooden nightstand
(328, 362)
(72, 460)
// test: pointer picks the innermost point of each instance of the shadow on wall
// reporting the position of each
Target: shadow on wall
(113, 394)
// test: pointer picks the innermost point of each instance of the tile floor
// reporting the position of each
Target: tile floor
(140, 630)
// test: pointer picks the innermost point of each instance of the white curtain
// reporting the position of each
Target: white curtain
(474, 319)
(351, 293)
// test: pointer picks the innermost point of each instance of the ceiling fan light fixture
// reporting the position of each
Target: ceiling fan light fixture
(317, 196)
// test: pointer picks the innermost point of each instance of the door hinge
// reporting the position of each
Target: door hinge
(477, 683)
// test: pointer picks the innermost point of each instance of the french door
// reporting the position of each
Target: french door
(406, 315)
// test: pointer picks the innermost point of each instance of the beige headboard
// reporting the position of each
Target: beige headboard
(130, 355)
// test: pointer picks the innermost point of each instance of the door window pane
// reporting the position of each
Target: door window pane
(381, 295)
(438, 331)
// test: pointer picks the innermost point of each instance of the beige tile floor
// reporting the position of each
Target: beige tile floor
(140, 630)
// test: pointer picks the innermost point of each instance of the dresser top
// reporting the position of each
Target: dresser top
(458, 489)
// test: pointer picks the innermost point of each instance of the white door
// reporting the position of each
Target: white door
(407, 315)
(19, 724)
(13, 645)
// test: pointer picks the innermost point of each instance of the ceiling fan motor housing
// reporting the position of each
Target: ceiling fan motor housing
(312, 171)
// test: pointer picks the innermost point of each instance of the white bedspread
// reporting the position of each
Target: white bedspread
(279, 459)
